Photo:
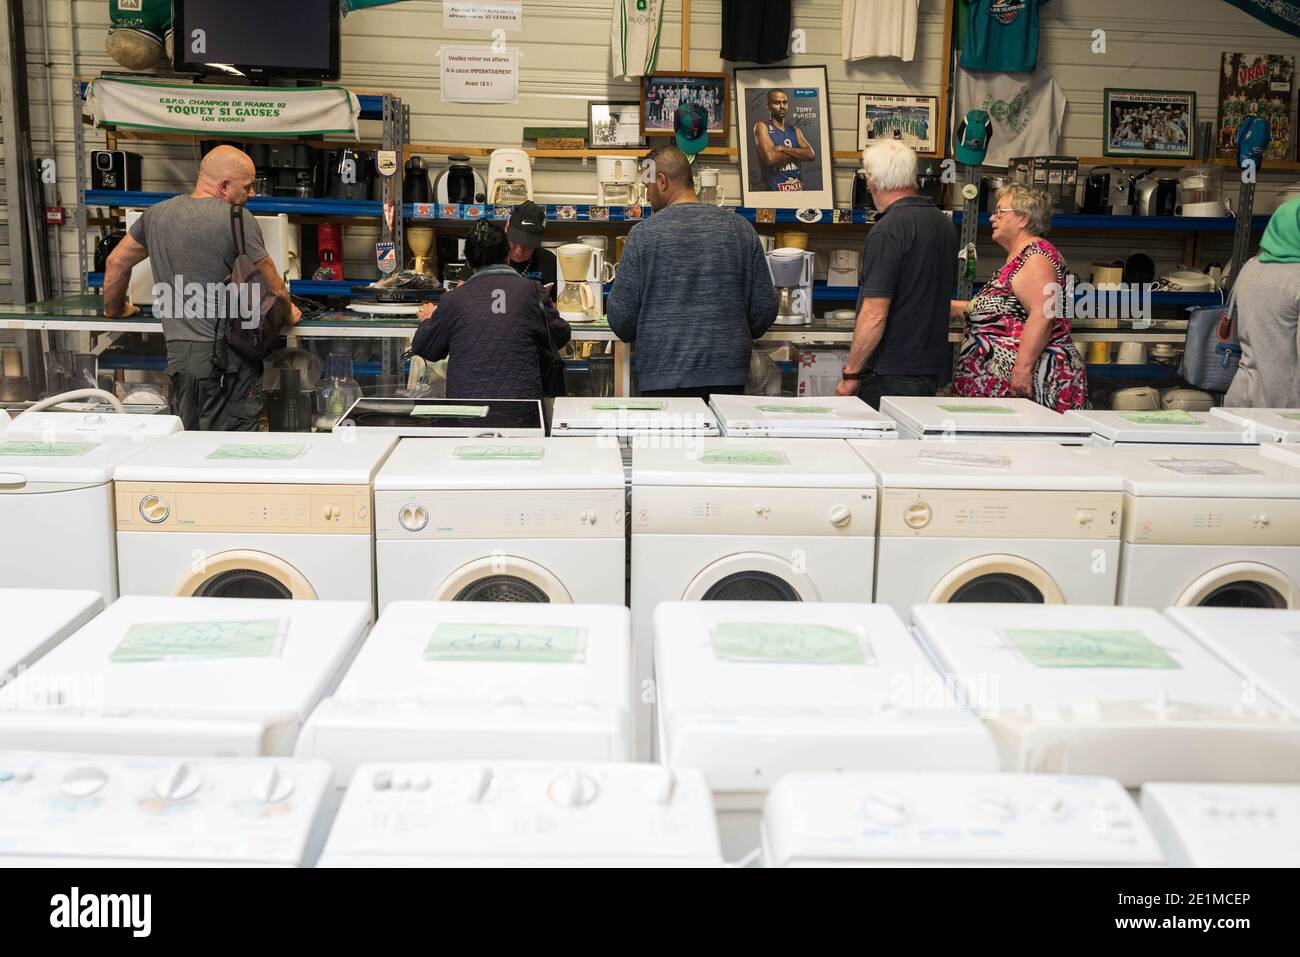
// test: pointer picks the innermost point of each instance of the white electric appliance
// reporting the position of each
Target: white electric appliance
(185, 676)
(842, 268)
(792, 271)
(56, 495)
(1263, 426)
(471, 681)
(36, 620)
(1225, 825)
(528, 520)
(509, 178)
(954, 820)
(96, 810)
(1159, 427)
(745, 520)
(620, 420)
(618, 181)
(524, 814)
(749, 692)
(4, 420)
(949, 418)
(1261, 643)
(1207, 526)
(1117, 692)
(805, 417)
(251, 515)
(448, 418)
(997, 522)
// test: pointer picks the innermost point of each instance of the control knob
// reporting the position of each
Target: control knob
(154, 509)
(413, 517)
(887, 808)
(272, 787)
(573, 789)
(178, 783)
(840, 516)
(83, 782)
(918, 515)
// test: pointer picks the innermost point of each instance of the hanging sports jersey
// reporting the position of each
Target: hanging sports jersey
(634, 36)
(1002, 35)
(755, 31)
(1027, 110)
(879, 28)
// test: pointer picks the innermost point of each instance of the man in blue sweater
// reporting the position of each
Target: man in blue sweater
(693, 290)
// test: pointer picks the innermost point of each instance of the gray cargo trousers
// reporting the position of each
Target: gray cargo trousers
(216, 390)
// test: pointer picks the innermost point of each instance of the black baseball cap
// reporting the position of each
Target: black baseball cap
(527, 224)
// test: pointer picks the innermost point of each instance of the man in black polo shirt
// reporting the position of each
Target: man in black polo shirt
(527, 254)
(909, 267)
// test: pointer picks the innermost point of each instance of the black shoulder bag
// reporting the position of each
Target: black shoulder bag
(251, 337)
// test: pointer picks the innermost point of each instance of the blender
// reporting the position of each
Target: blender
(792, 274)
(618, 181)
(574, 299)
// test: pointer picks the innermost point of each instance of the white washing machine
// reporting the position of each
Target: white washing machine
(251, 515)
(954, 820)
(959, 419)
(1116, 692)
(806, 417)
(527, 520)
(623, 419)
(745, 520)
(1207, 526)
(750, 691)
(1262, 644)
(447, 418)
(1263, 426)
(458, 681)
(36, 620)
(998, 522)
(96, 810)
(56, 495)
(185, 676)
(1159, 427)
(524, 814)
(1225, 825)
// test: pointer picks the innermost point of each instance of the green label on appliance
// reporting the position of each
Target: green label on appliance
(795, 409)
(451, 411)
(1088, 648)
(201, 640)
(46, 450)
(978, 409)
(257, 453)
(787, 644)
(629, 405)
(1293, 416)
(531, 644)
(499, 453)
(738, 457)
(1162, 417)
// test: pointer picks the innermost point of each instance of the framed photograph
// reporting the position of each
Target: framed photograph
(662, 93)
(614, 125)
(783, 125)
(1259, 83)
(909, 119)
(1149, 123)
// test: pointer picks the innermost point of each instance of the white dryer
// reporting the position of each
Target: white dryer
(185, 676)
(466, 680)
(96, 810)
(806, 417)
(1225, 825)
(1261, 644)
(998, 522)
(56, 495)
(955, 418)
(524, 814)
(1264, 426)
(745, 520)
(447, 418)
(1116, 692)
(528, 520)
(622, 419)
(954, 820)
(251, 515)
(35, 621)
(1159, 427)
(749, 692)
(1207, 526)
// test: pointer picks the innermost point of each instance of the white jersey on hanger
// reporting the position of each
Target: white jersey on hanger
(634, 36)
(880, 28)
(1027, 110)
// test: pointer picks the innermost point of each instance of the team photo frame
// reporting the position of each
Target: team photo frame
(783, 128)
(614, 125)
(663, 93)
(911, 120)
(1144, 123)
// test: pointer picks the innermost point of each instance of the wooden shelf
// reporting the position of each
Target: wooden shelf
(436, 149)
(1129, 161)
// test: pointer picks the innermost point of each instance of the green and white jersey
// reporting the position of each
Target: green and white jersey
(634, 36)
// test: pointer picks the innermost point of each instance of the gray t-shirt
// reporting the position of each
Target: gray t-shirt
(191, 240)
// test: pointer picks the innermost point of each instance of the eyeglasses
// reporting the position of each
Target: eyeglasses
(1001, 210)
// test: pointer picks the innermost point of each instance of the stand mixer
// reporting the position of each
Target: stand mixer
(420, 239)
(574, 299)
(792, 274)
(618, 181)
(510, 177)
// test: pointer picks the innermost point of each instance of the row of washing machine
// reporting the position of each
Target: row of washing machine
(251, 732)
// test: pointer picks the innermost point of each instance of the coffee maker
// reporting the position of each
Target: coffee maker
(601, 272)
(350, 175)
(295, 170)
(574, 299)
(415, 181)
(617, 181)
(1108, 189)
(451, 258)
(329, 252)
(792, 274)
(510, 177)
(842, 269)
(459, 184)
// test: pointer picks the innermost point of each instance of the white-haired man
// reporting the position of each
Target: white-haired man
(909, 268)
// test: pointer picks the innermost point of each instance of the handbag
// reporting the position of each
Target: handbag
(252, 338)
(1212, 353)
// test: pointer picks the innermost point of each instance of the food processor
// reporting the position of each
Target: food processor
(1200, 192)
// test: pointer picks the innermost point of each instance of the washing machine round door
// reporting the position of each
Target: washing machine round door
(751, 576)
(245, 574)
(1001, 579)
(1242, 585)
(503, 578)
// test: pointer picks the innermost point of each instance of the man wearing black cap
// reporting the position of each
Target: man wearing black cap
(527, 255)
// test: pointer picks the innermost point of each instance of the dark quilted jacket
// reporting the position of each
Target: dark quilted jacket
(493, 332)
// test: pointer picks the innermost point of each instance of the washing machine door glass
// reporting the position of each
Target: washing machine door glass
(1004, 579)
(245, 574)
(503, 578)
(243, 583)
(1242, 585)
(998, 589)
(754, 576)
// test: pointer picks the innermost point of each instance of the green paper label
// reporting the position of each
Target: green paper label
(1162, 417)
(978, 409)
(1204, 467)
(451, 411)
(499, 453)
(529, 644)
(1293, 416)
(202, 640)
(738, 457)
(795, 409)
(788, 644)
(257, 453)
(46, 450)
(629, 405)
(1066, 648)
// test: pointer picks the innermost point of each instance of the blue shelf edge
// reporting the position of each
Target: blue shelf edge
(301, 287)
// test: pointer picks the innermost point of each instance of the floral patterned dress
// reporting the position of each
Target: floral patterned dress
(995, 322)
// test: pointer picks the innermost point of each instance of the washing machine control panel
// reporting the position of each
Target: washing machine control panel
(754, 511)
(282, 509)
(225, 811)
(96, 424)
(1225, 825)
(981, 513)
(474, 514)
(512, 810)
(1212, 521)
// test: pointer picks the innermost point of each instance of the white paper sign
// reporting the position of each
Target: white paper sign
(505, 15)
(477, 75)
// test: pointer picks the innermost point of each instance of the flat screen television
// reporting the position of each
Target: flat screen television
(258, 39)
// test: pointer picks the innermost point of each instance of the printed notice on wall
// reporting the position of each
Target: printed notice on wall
(478, 75)
(505, 15)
